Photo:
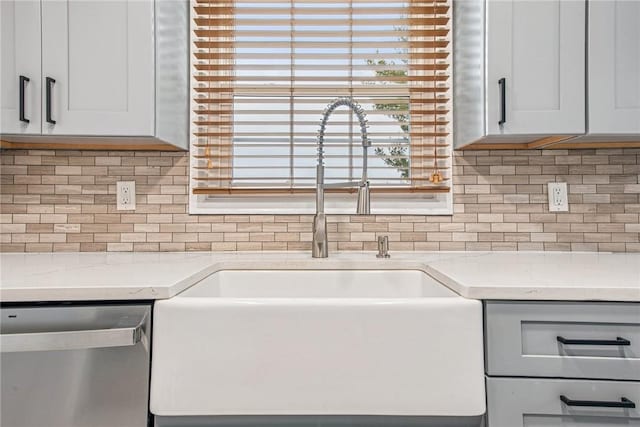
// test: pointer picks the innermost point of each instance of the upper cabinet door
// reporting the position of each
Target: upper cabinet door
(614, 67)
(98, 67)
(538, 48)
(20, 67)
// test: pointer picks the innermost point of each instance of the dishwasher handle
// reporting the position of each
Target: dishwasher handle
(72, 340)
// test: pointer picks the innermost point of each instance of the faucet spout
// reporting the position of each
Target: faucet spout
(319, 244)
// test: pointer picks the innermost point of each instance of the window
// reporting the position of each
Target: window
(264, 71)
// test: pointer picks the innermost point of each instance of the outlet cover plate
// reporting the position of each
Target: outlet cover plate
(558, 197)
(126, 195)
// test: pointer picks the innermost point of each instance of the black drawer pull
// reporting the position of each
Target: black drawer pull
(617, 341)
(48, 95)
(22, 81)
(624, 403)
(502, 85)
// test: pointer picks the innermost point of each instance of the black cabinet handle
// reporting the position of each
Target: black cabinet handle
(50, 83)
(624, 403)
(617, 341)
(23, 81)
(502, 84)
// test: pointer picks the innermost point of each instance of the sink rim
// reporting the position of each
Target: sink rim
(422, 286)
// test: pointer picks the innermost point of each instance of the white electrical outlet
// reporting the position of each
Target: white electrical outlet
(126, 195)
(558, 197)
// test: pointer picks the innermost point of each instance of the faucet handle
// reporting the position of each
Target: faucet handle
(364, 200)
(383, 247)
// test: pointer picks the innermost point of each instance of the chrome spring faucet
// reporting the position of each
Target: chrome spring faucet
(319, 245)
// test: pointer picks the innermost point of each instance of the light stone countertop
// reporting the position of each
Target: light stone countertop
(477, 275)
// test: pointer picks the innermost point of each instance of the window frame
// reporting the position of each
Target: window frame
(405, 202)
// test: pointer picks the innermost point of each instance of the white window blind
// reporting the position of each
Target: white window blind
(264, 70)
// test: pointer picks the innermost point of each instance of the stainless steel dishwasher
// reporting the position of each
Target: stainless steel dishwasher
(75, 365)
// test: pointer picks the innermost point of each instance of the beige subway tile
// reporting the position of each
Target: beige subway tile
(412, 218)
(290, 237)
(464, 237)
(350, 246)
(424, 246)
(248, 246)
(348, 227)
(491, 198)
(106, 237)
(504, 246)
(439, 236)
(93, 247)
(66, 228)
(159, 218)
(80, 238)
(146, 228)
(477, 189)
(20, 238)
(210, 237)
(299, 246)
(632, 247)
(133, 237)
(611, 247)
(197, 246)
(468, 246)
(597, 237)
(504, 227)
(38, 247)
(453, 246)
(274, 246)
(172, 247)
(53, 238)
(159, 237)
(544, 237)
(146, 247)
(484, 227)
(552, 227)
(120, 247)
(376, 227)
(66, 247)
(274, 227)
(173, 228)
(26, 218)
(625, 237)
(583, 228)
(406, 237)
(224, 227)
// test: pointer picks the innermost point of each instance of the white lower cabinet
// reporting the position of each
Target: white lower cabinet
(537, 402)
(562, 364)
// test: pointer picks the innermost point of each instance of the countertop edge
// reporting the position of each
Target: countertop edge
(475, 292)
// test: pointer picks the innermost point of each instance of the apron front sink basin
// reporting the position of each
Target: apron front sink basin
(318, 342)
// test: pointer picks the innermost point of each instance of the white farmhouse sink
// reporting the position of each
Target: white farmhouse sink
(316, 342)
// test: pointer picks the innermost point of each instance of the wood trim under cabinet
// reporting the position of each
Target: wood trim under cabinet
(123, 145)
(555, 142)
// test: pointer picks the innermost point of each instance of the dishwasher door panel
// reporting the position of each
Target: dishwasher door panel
(102, 380)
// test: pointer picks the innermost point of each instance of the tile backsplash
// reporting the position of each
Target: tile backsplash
(65, 201)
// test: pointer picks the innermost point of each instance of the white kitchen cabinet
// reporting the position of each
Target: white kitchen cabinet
(614, 67)
(519, 70)
(20, 67)
(105, 71)
(562, 364)
(100, 55)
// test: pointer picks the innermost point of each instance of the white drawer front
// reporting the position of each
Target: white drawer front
(532, 402)
(569, 340)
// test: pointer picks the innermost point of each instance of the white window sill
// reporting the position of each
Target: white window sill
(382, 204)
